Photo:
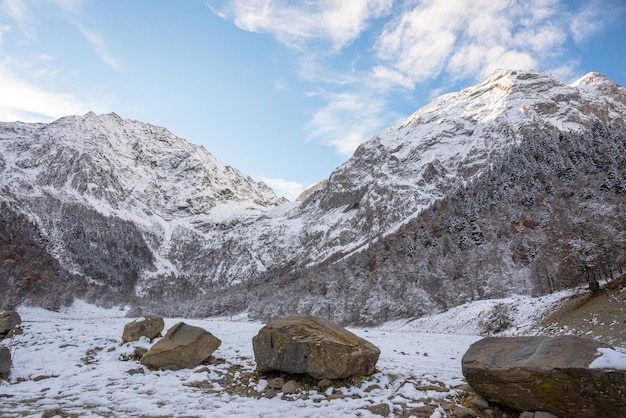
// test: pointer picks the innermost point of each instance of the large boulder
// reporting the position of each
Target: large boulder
(8, 321)
(316, 346)
(183, 347)
(550, 374)
(149, 326)
(5, 360)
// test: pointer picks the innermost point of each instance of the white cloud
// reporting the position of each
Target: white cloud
(22, 101)
(348, 119)
(286, 188)
(588, 21)
(436, 37)
(338, 21)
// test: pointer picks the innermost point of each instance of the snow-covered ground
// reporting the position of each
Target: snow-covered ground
(70, 362)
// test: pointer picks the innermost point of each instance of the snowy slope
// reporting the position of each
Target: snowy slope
(405, 168)
(70, 362)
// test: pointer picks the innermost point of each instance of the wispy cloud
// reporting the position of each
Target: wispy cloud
(24, 16)
(22, 101)
(99, 45)
(26, 80)
(338, 21)
(348, 119)
(286, 188)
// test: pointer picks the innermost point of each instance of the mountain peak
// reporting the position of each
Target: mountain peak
(591, 78)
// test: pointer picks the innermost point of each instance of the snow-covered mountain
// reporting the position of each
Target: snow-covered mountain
(199, 225)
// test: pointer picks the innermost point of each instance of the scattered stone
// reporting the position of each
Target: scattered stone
(149, 326)
(140, 351)
(549, 374)
(8, 321)
(5, 360)
(276, 383)
(41, 377)
(316, 346)
(270, 393)
(380, 409)
(544, 414)
(462, 412)
(527, 414)
(324, 383)
(372, 388)
(291, 387)
(202, 370)
(138, 370)
(480, 402)
(14, 332)
(183, 347)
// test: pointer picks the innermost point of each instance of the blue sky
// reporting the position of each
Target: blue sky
(285, 90)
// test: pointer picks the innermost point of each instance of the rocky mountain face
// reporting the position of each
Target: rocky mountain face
(463, 200)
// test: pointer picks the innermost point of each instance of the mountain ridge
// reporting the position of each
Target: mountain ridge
(199, 227)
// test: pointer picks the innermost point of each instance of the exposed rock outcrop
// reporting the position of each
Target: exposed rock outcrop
(316, 346)
(149, 326)
(549, 374)
(184, 346)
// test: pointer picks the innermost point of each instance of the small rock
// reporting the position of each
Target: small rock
(270, 393)
(14, 332)
(202, 370)
(324, 383)
(276, 383)
(40, 378)
(380, 409)
(462, 412)
(140, 351)
(138, 370)
(544, 414)
(291, 387)
(527, 414)
(5, 360)
(480, 402)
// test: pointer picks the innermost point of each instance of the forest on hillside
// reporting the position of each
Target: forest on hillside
(549, 215)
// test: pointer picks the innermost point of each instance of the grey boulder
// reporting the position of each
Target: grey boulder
(8, 321)
(183, 347)
(549, 374)
(315, 346)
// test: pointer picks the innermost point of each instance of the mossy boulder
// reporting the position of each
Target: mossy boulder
(149, 326)
(183, 347)
(545, 374)
(315, 346)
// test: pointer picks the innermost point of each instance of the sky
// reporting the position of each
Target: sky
(282, 90)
